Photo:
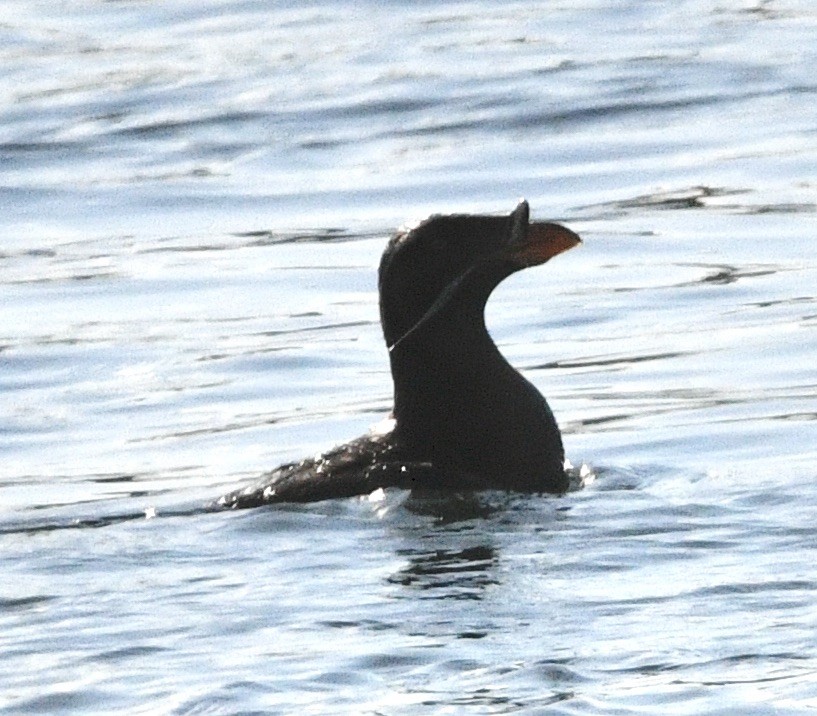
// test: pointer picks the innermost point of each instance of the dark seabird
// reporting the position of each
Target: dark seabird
(464, 419)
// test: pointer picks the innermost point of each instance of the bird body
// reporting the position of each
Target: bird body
(464, 418)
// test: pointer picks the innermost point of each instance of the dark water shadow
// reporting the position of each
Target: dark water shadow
(459, 574)
(258, 238)
(696, 198)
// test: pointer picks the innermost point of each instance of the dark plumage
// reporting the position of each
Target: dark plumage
(464, 418)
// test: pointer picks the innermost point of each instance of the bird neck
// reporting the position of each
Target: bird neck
(449, 351)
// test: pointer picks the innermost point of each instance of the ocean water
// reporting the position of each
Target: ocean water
(193, 201)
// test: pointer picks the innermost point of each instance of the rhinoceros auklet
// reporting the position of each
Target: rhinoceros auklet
(463, 418)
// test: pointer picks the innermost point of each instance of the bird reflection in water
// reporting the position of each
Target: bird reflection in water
(449, 574)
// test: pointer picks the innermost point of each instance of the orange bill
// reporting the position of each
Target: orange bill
(542, 242)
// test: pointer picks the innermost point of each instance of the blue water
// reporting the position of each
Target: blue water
(193, 201)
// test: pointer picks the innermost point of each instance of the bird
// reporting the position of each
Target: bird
(463, 419)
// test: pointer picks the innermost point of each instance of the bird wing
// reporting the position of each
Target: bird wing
(358, 467)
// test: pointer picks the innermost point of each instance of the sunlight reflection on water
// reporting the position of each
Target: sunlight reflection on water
(195, 198)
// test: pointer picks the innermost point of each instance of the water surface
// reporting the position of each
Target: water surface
(194, 200)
